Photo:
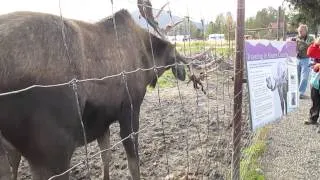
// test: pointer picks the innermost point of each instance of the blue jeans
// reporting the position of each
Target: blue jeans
(303, 74)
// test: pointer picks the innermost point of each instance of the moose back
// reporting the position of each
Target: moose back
(43, 124)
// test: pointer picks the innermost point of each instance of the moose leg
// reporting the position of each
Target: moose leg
(14, 160)
(40, 173)
(5, 171)
(55, 162)
(131, 144)
(14, 157)
(104, 143)
(285, 91)
(281, 99)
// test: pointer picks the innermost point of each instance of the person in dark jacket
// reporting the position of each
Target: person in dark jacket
(314, 52)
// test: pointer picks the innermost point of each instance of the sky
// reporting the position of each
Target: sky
(95, 10)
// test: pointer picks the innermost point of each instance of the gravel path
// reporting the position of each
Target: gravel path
(293, 150)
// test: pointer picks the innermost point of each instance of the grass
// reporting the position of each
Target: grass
(249, 164)
(218, 48)
(167, 80)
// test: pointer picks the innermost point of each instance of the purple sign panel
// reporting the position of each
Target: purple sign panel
(272, 80)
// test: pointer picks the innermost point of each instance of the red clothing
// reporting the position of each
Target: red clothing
(314, 52)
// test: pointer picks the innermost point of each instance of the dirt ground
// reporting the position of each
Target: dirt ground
(197, 135)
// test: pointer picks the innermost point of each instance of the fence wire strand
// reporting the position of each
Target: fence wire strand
(158, 93)
(186, 120)
(101, 151)
(215, 114)
(75, 89)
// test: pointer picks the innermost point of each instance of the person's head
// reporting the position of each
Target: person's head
(303, 30)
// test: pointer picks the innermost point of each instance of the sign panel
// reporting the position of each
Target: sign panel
(272, 79)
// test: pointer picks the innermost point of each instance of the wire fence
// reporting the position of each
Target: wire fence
(185, 131)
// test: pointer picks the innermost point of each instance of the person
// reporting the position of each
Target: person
(303, 40)
(313, 51)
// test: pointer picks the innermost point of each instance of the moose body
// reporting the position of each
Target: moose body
(43, 124)
(281, 84)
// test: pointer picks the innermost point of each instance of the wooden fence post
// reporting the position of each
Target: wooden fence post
(237, 107)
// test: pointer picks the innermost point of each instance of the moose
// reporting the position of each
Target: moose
(43, 124)
(281, 83)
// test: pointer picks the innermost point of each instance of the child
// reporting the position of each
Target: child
(314, 52)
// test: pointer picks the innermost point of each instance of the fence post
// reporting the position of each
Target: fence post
(238, 77)
(278, 23)
(284, 27)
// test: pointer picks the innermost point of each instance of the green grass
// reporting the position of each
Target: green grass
(249, 164)
(167, 80)
(221, 49)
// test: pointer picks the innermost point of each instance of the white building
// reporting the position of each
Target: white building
(178, 38)
(216, 37)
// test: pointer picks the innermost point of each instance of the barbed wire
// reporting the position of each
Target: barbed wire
(124, 77)
(75, 82)
(75, 88)
(158, 92)
(90, 79)
(102, 151)
(181, 102)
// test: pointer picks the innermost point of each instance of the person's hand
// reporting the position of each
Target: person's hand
(316, 67)
(317, 41)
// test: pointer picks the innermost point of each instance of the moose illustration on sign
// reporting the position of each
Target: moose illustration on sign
(279, 81)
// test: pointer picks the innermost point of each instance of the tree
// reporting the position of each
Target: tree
(307, 12)
(184, 28)
(251, 23)
(230, 26)
(223, 24)
(195, 32)
(219, 24)
(295, 18)
(263, 19)
(209, 29)
(266, 16)
(229, 20)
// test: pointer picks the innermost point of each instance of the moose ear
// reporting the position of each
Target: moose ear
(159, 46)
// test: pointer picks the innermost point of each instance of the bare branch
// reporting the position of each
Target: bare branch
(204, 66)
(162, 8)
(145, 9)
(169, 27)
